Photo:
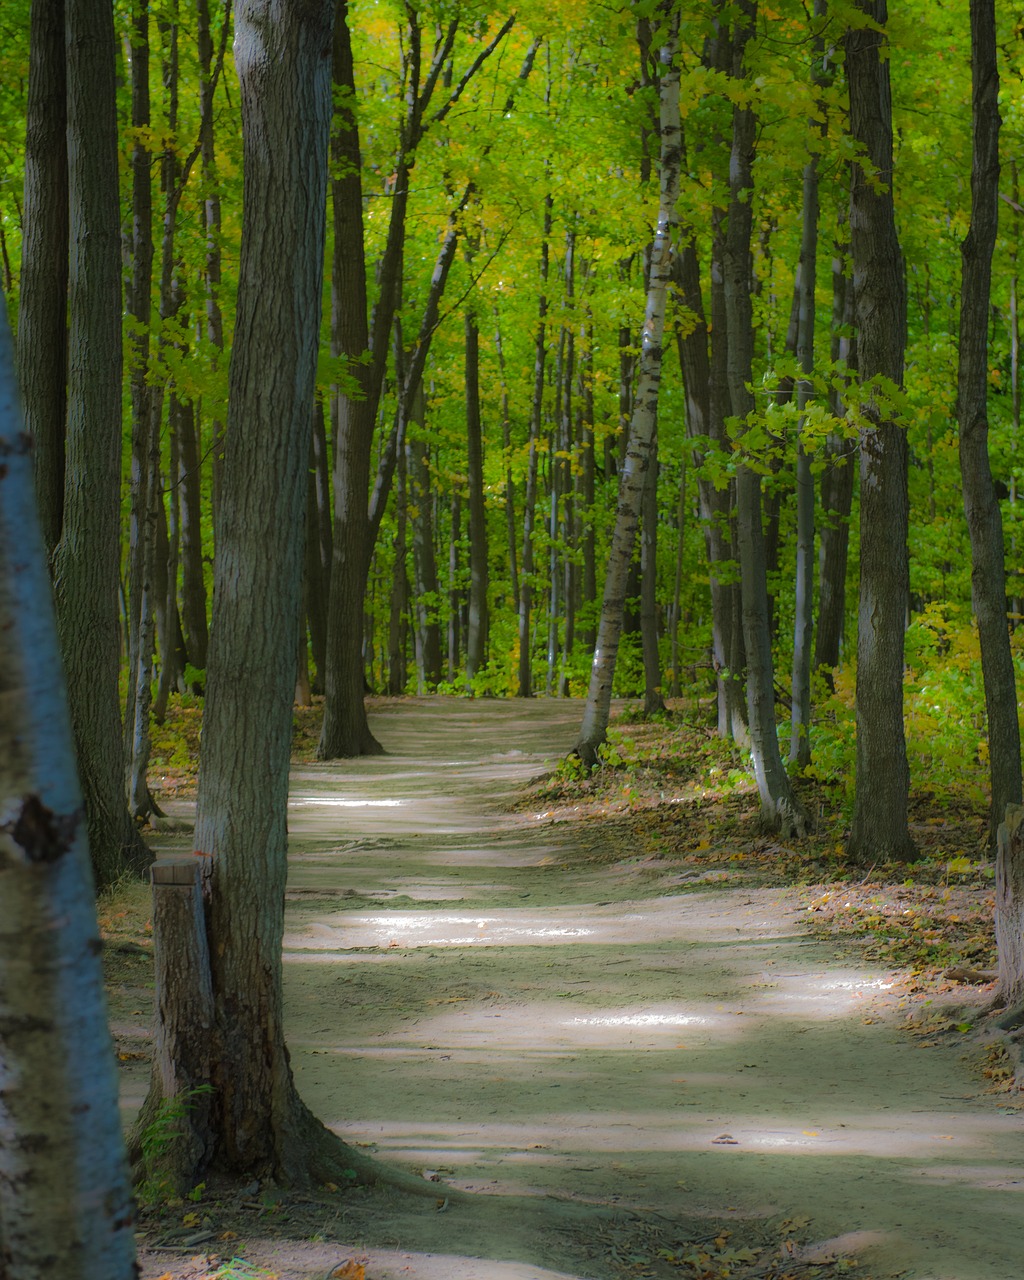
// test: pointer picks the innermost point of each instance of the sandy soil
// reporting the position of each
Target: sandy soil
(625, 1052)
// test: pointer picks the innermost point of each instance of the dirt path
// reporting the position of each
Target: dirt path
(461, 1000)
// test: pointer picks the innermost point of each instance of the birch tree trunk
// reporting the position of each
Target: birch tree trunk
(984, 522)
(65, 1198)
(879, 830)
(632, 478)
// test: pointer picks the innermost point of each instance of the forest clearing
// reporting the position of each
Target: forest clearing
(618, 1009)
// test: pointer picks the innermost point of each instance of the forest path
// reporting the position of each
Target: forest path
(460, 997)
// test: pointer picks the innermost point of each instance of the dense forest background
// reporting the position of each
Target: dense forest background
(493, 192)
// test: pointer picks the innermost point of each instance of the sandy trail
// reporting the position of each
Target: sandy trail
(459, 998)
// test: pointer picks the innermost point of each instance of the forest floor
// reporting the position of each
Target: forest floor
(654, 1043)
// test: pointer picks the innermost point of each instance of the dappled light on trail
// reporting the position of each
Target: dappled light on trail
(530, 1007)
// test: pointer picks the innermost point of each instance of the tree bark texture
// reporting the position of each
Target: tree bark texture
(984, 522)
(86, 561)
(43, 296)
(283, 55)
(1009, 914)
(803, 622)
(633, 476)
(879, 830)
(836, 487)
(345, 730)
(476, 638)
(780, 809)
(65, 1197)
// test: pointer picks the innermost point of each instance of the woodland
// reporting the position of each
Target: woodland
(664, 350)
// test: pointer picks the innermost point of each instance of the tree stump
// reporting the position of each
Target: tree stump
(184, 1020)
(1009, 912)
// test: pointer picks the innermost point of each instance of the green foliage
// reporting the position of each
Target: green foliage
(159, 1136)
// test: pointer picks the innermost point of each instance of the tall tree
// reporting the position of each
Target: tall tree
(43, 298)
(255, 1123)
(988, 577)
(780, 809)
(879, 830)
(633, 475)
(65, 1196)
(87, 557)
(803, 621)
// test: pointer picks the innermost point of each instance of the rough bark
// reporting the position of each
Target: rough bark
(257, 1125)
(511, 524)
(1009, 910)
(209, 74)
(476, 638)
(780, 809)
(145, 456)
(345, 730)
(318, 545)
(803, 621)
(654, 703)
(836, 487)
(984, 522)
(428, 629)
(594, 728)
(715, 502)
(43, 293)
(86, 560)
(879, 830)
(527, 581)
(65, 1198)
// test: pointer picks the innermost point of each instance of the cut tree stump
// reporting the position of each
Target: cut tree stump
(1009, 913)
(181, 1049)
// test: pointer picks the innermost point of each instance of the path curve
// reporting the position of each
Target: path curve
(459, 998)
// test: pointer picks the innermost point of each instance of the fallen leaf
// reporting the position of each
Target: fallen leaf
(348, 1271)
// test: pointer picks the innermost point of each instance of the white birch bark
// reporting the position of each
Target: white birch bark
(65, 1199)
(639, 451)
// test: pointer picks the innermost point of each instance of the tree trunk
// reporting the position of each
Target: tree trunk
(398, 622)
(511, 524)
(257, 1124)
(1009, 912)
(87, 558)
(145, 440)
(193, 584)
(454, 587)
(345, 730)
(209, 74)
(836, 487)
(318, 545)
(594, 728)
(527, 580)
(984, 522)
(715, 502)
(879, 830)
(428, 599)
(803, 621)
(476, 639)
(43, 294)
(65, 1198)
(780, 809)
(654, 703)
